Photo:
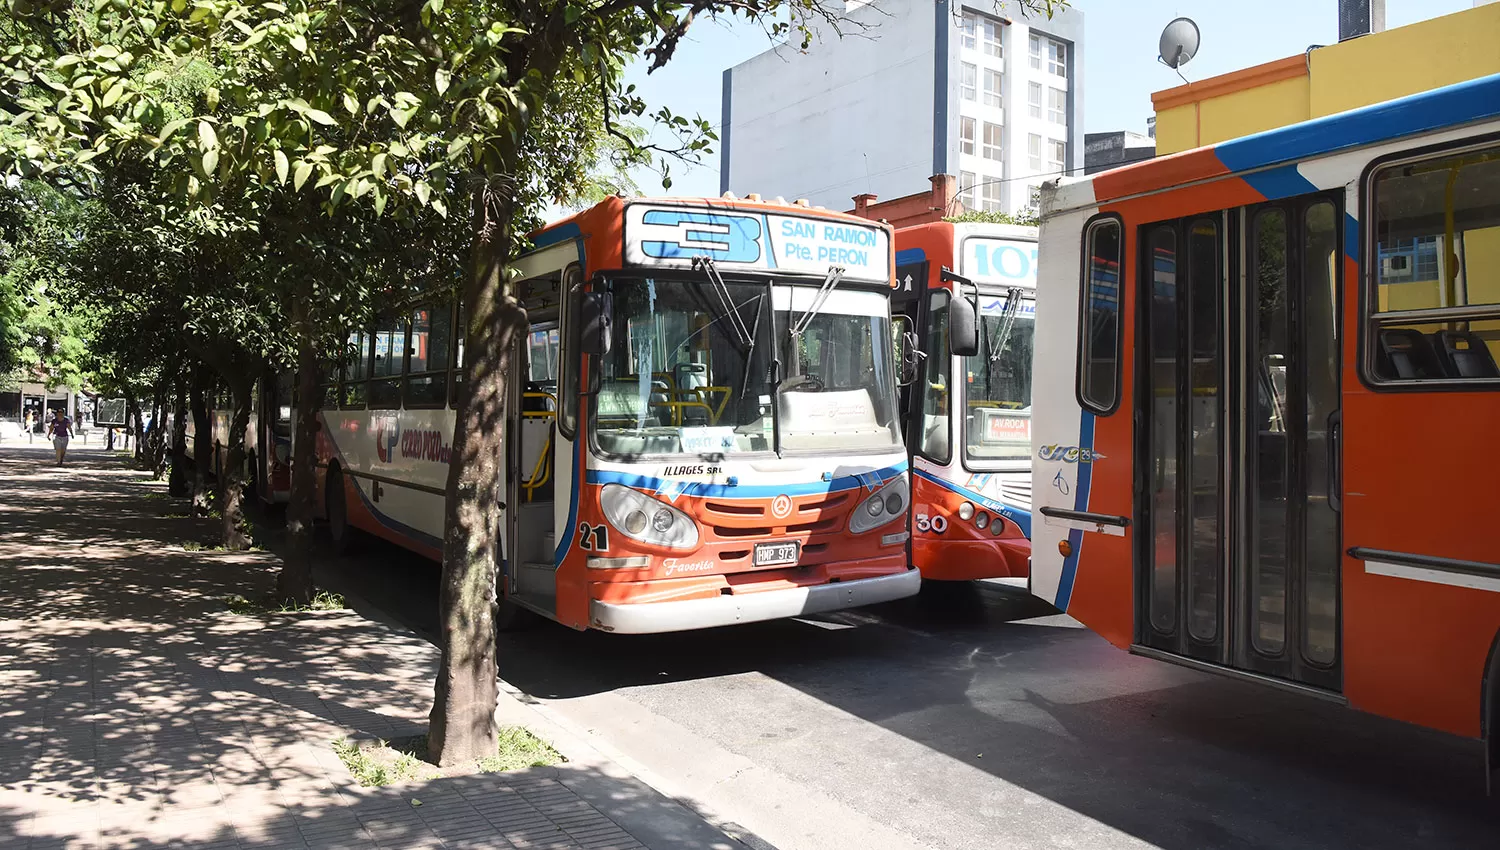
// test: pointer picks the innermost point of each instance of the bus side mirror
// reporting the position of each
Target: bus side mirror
(963, 327)
(595, 326)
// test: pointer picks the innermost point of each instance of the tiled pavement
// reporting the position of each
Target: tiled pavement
(136, 711)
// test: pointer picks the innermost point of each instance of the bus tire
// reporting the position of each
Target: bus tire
(510, 617)
(1489, 717)
(340, 532)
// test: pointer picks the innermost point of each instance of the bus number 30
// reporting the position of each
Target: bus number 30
(936, 524)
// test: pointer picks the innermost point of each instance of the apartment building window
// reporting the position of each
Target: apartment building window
(966, 135)
(992, 83)
(991, 31)
(1034, 151)
(1057, 154)
(992, 141)
(966, 183)
(989, 194)
(968, 80)
(1057, 106)
(1034, 99)
(1048, 55)
(968, 26)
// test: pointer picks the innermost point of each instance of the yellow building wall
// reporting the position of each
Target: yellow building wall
(1386, 65)
(1406, 60)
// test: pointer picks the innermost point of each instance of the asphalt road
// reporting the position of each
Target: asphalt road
(975, 720)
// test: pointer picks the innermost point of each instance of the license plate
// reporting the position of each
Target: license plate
(771, 554)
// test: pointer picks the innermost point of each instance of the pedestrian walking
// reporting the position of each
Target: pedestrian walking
(60, 429)
(26, 429)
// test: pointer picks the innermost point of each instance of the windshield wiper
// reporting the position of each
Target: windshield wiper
(743, 335)
(1007, 323)
(831, 282)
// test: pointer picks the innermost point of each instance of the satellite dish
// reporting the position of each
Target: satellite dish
(1179, 43)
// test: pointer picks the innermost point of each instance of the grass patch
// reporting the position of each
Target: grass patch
(323, 601)
(176, 516)
(406, 759)
(193, 546)
(378, 765)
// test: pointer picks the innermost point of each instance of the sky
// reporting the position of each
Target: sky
(1119, 59)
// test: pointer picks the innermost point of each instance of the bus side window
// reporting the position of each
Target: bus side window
(427, 356)
(1433, 240)
(460, 332)
(390, 351)
(1099, 324)
(356, 370)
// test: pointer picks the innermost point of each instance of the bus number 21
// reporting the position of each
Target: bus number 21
(594, 538)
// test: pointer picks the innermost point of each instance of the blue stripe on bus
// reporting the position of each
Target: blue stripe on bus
(907, 256)
(1351, 237)
(561, 233)
(1021, 518)
(398, 527)
(871, 480)
(1283, 182)
(1448, 106)
(1080, 503)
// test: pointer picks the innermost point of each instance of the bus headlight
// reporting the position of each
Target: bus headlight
(640, 517)
(966, 511)
(887, 505)
(981, 520)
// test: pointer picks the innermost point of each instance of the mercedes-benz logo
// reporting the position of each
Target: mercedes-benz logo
(781, 506)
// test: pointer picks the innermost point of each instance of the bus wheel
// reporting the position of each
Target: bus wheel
(1489, 718)
(510, 617)
(339, 530)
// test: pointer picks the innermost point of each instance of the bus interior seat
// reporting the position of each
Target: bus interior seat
(1465, 355)
(1406, 354)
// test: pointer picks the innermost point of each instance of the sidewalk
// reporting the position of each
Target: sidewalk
(137, 711)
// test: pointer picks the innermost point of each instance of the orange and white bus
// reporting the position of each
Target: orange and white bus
(971, 473)
(703, 429)
(1266, 392)
(268, 438)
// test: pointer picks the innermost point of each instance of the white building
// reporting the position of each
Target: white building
(973, 89)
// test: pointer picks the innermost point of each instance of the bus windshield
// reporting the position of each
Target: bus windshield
(999, 378)
(691, 366)
(838, 392)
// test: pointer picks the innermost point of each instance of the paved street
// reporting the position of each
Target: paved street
(137, 711)
(977, 721)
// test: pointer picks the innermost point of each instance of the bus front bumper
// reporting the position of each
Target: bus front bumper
(728, 610)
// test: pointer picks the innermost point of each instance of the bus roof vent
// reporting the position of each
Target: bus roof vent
(780, 200)
(729, 196)
(753, 196)
(802, 202)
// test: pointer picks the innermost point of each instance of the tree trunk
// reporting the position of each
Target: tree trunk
(462, 719)
(177, 484)
(133, 425)
(157, 446)
(202, 441)
(295, 582)
(232, 475)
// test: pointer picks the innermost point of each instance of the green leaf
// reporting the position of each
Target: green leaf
(423, 191)
(173, 126)
(377, 166)
(212, 96)
(298, 43)
(351, 104)
(210, 162)
(380, 199)
(207, 138)
(571, 14)
(441, 79)
(304, 171)
(440, 207)
(67, 61)
(457, 147)
(322, 117)
(281, 166)
(112, 96)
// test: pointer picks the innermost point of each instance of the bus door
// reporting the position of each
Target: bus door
(910, 300)
(1237, 413)
(532, 472)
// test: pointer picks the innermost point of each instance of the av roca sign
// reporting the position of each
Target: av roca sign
(674, 236)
